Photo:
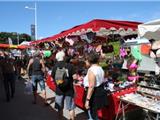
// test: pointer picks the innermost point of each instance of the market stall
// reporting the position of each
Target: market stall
(107, 113)
(86, 32)
(147, 95)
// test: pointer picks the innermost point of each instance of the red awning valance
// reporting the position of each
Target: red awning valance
(13, 46)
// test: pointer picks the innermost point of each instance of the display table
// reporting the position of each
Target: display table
(150, 105)
(107, 113)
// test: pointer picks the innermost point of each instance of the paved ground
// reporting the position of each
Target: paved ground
(21, 107)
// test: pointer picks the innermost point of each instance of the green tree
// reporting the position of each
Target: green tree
(14, 36)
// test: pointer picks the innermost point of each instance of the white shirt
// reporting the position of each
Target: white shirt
(98, 72)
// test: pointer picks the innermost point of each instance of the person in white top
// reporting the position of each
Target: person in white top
(99, 74)
(93, 82)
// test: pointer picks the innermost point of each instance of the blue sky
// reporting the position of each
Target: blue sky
(54, 17)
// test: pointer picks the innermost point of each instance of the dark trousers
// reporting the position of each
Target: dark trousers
(9, 85)
(99, 99)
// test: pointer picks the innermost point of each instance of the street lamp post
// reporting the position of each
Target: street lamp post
(35, 17)
(17, 38)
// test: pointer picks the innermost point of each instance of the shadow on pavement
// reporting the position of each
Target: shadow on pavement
(51, 99)
(136, 114)
(81, 116)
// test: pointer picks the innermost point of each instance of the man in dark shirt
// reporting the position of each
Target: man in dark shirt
(9, 76)
(36, 64)
(68, 94)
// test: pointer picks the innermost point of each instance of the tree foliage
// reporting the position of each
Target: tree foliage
(15, 37)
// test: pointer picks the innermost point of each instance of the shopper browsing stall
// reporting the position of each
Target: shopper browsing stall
(132, 65)
(93, 81)
(62, 73)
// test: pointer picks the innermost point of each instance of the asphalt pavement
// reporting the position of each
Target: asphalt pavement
(21, 107)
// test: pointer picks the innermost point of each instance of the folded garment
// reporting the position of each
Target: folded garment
(131, 78)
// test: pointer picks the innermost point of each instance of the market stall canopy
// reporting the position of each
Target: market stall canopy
(150, 30)
(101, 27)
(135, 41)
(5, 46)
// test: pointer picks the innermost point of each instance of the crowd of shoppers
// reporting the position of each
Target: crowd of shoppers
(75, 65)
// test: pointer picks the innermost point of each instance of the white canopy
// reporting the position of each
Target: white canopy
(25, 43)
(150, 30)
(136, 41)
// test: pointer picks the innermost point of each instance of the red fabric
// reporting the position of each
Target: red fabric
(50, 83)
(4, 45)
(95, 25)
(13, 46)
(145, 49)
(22, 47)
(80, 94)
